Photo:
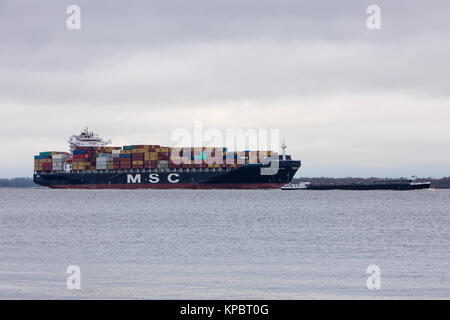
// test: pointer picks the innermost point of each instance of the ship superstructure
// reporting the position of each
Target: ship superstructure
(87, 139)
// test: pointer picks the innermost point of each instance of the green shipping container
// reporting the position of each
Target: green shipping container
(44, 154)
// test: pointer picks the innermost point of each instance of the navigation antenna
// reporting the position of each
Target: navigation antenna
(283, 146)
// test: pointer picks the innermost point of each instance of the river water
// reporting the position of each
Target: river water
(224, 244)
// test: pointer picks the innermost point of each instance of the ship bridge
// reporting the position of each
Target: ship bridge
(87, 139)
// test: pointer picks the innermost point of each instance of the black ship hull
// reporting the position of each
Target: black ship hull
(246, 177)
(372, 186)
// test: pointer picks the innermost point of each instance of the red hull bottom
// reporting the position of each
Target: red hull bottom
(172, 186)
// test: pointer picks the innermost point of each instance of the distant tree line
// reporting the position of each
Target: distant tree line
(442, 183)
(17, 183)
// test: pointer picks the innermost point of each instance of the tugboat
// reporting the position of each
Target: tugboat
(296, 186)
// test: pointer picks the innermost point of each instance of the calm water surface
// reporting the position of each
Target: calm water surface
(224, 244)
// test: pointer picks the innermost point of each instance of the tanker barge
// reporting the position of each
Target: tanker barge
(399, 184)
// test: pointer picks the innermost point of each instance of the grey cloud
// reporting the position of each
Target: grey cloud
(231, 49)
(300, 59)
(205, 73)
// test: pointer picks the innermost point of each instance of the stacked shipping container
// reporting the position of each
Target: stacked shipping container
(146, 157)
(58, 161)
(143, 157)
(93, 158)
(50, 161)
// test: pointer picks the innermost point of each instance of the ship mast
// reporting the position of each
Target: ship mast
(283, 146)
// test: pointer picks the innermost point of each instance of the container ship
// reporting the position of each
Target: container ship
(92, 164)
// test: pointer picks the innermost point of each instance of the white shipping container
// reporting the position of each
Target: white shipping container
(60, 156)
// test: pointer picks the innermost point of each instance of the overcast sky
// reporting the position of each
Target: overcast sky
(348, 100)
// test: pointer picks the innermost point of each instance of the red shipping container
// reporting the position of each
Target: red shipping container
(137, 156)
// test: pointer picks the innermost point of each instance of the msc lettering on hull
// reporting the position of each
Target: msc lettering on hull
(135, 179)
(153, 178)
(173, 178)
